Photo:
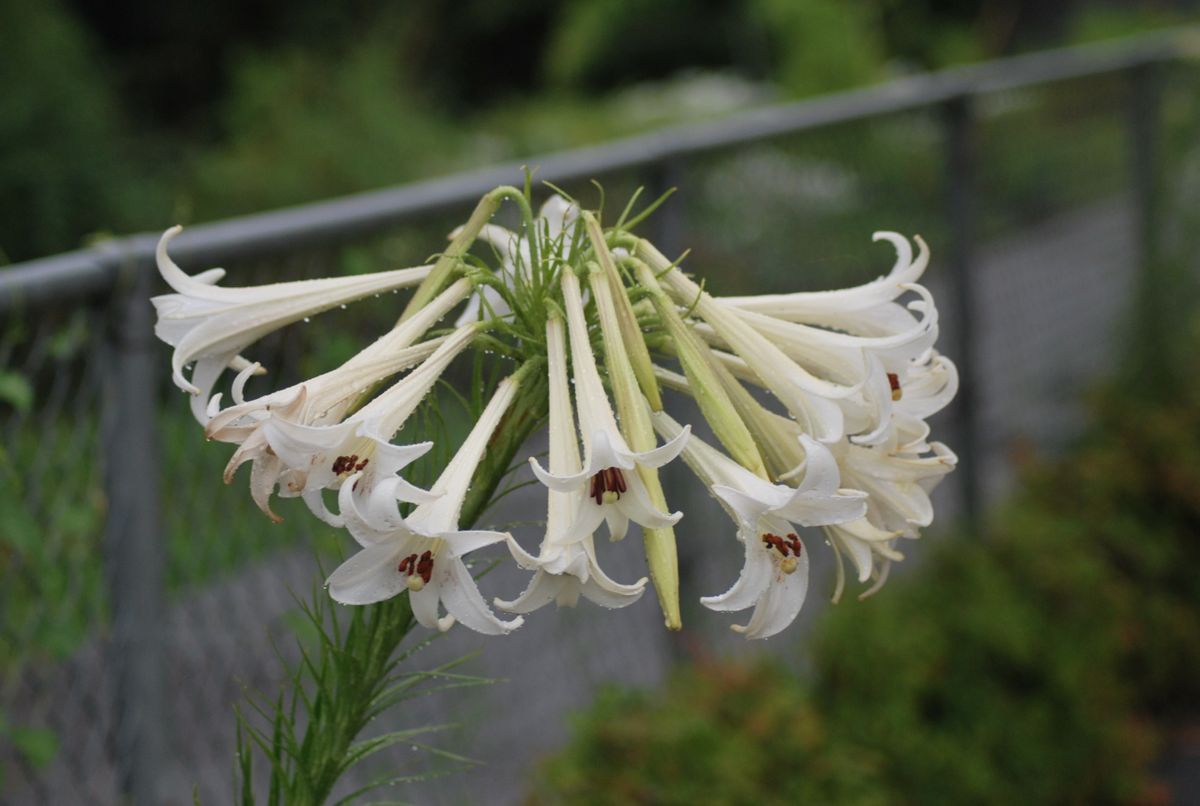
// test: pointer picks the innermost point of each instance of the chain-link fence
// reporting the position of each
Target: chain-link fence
(139, 596)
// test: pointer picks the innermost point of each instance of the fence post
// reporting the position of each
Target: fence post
(958, 120)
(133, 539)
(1151, 322)
(669, 222)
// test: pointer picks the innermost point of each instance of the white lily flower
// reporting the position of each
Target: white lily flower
(865, 310)
(898, 402)
(862, 336)
(210, 325)
(927, 386)
(324, 456)
(322, 400)
(898, 481)
(556, 218)
(867, 546)
(615, 491)
(423, 553)
(326, 398)
(566, 565)
(812, 400)
(774, 577)
(331, 395)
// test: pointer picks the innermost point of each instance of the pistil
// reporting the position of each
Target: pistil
(419, 570)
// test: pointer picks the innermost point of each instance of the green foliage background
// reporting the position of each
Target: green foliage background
(125, 116)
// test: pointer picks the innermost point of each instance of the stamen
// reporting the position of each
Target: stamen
(348, 464)
(894, 382)
(418, 569)
(607, 486)
(786, 546)
(425, 566)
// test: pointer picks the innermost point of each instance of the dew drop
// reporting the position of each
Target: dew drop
(307, 319)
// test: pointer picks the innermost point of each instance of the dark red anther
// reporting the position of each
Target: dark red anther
(408, 564)
(425, 566)
(609, 480)
(894, 383)
(784, 545)
(361, 464)
(344, 464)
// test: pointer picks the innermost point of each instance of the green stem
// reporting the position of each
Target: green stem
(352, 668)
(339, 716)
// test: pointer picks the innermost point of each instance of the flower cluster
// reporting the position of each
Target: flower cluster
(817, 404)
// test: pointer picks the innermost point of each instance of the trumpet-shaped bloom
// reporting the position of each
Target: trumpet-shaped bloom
(566, 565)
(330, 396)
(324, 457)
(871, 551)
(774, 577)
(899, 401)
(866, 310)
(615, 491)
(557, 218)
(810, 399)
(898, 480)
(319, 401)
(423, 553)
(327, 397)
(864, 338)
(210, 325)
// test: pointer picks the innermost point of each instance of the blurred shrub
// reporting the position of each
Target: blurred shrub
(717, 734)
(992, 675)
(63, 166)
(807, 46)
(821, 45)
(1027, 667)
(1131, 495)
(303, 126)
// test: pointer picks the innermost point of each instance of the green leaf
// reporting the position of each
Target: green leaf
(38, 746)
(16, 391)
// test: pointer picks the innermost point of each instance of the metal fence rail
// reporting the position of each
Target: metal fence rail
(341, 220)
(121, 272)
